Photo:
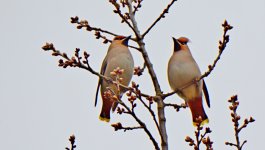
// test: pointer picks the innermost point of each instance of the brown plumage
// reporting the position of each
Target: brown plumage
(118, 55)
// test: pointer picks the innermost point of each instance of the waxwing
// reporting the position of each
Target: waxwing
(118, 55)
(182, 69)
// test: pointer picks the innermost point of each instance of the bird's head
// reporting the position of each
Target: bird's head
(180, 43)
(121, 40)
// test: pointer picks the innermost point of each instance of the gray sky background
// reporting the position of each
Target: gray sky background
(41, 105)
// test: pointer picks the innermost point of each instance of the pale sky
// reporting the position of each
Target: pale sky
(41, 105)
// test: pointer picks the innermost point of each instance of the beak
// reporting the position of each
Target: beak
(125, 41)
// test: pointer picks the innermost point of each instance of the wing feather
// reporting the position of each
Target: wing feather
(102, 71)
(206, 94)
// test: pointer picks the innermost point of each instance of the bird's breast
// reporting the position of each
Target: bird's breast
(123, 61)
(182, 71)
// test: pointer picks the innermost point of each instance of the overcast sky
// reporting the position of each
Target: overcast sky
(41, 105)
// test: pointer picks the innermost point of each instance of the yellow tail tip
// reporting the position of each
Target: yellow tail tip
(104, 119)
(206, 121)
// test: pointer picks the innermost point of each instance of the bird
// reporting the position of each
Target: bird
(118, 56)
(183, 69)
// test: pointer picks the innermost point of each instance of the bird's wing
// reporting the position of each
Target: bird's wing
(102, 71)
(206, 94)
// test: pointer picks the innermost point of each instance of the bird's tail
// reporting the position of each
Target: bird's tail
(197, 111)
(105, 111)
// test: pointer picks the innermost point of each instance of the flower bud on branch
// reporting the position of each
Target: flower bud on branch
(235, 118)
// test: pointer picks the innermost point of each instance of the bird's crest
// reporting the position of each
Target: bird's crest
(122, 39)
(183, 40)
(119, 37)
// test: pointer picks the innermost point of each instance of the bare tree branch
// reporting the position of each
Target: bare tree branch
(150, 99)
(139, 5)
(84, 24)
(98, 31)
(222, 46)
(159, 100)
(235, 119)
(142, 124)
(74, 61)
(118, 11)
(162, 15)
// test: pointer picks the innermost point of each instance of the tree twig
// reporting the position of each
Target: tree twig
(235, 119)
(150, 99)
(142, 124)
(176, 106)
(162, 15)
(139, 5)
(118, 126)
(222, 46)
(200, 138)
(84, 24)
(72, 141)
(118, 11)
